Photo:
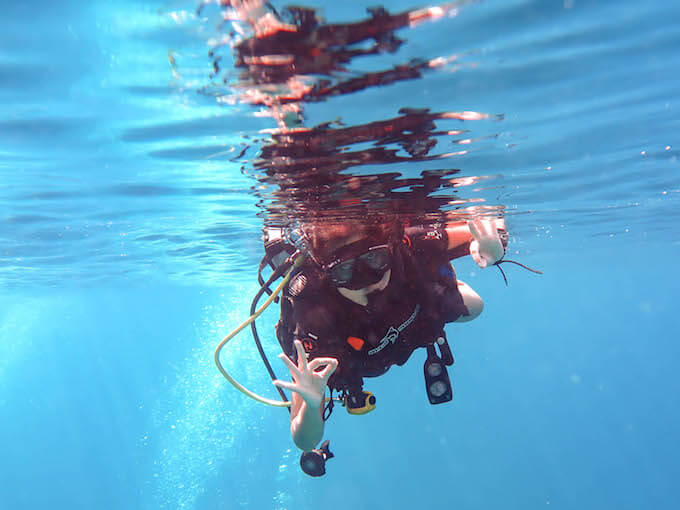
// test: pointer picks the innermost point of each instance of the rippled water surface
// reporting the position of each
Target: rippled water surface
(143, 146)
(123, 154)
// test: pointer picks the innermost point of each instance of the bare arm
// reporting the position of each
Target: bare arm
(480, 239)
(308, 387)
(306, 423)
(459, 233)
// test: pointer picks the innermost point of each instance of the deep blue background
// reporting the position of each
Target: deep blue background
(125, 256)
(565, 394)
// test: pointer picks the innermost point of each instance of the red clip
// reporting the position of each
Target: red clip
(356, 343)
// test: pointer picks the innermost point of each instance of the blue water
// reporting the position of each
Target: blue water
(129, 244)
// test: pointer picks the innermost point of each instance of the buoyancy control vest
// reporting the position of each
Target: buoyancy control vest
(421, 297)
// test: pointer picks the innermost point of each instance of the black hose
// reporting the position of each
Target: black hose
(260, 280)
(278, 272)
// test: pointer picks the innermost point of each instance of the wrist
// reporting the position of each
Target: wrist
(314, 403)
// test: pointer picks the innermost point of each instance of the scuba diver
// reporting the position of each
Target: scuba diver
(357, 297)
(368, 295)
(360, 290)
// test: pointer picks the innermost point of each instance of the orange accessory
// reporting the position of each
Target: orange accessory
(356, 343)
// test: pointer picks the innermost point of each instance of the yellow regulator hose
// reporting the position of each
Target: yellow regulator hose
(234, 382)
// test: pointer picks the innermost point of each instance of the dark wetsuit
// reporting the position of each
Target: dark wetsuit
(422, 295)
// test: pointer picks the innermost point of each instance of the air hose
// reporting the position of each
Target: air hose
(297, 261)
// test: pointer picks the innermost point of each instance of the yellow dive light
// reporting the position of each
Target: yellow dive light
(362, 404)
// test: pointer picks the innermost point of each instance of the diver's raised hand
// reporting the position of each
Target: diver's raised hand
(486, 247)
(307, 382)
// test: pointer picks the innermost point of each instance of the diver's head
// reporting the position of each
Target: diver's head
(354, 256)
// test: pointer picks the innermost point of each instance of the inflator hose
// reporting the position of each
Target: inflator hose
(276, 403)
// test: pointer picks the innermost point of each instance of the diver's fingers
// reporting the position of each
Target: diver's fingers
(492, 228)
(486, 226)
(330, 365)
(320, 362)
(302, 356)
(474, 229)
(330, 368)
(476, 255)
(285, 385)
(291, 366)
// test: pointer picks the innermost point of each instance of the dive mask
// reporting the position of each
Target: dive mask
(359, 264)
